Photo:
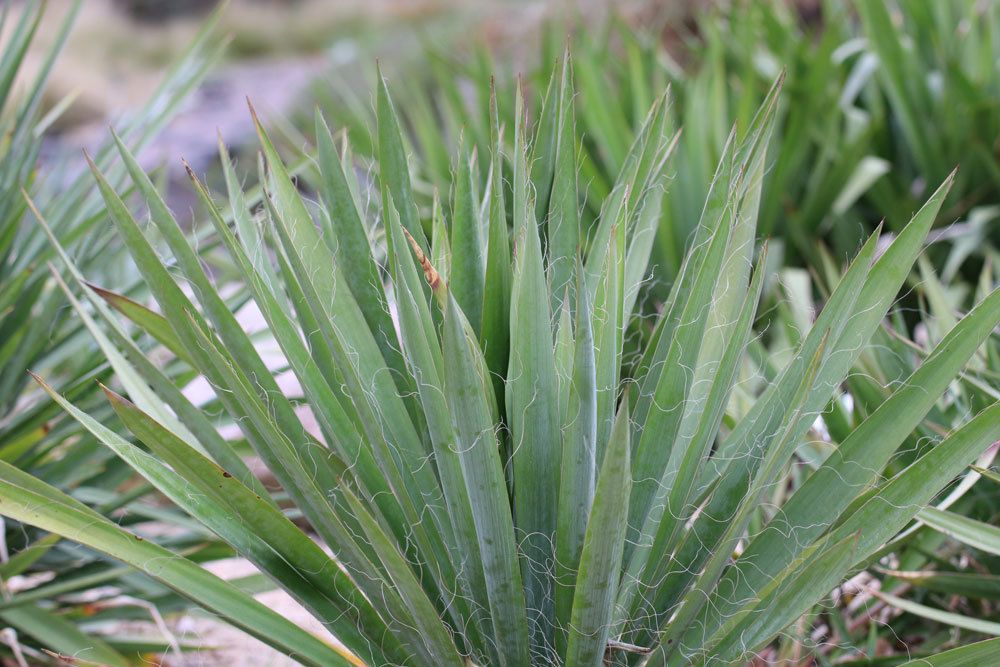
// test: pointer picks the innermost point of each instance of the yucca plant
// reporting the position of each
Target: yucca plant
(498, 479)
(48, 587)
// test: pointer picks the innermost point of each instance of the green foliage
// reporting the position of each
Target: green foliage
(39, 332)
(882, 100)
(521, 454)
(500, 474)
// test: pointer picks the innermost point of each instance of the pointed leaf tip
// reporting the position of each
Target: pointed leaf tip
(97, 289)
(190, 171)
(112, 395)
(253, 114)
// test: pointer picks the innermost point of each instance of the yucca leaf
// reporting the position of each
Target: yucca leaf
(337, 422)
(437, 643)
(425, 358)
(942, 317)
(965, 584)
(731, 201)
(319, 290)
(412, 482)
(27, 556)
(968, 531)
(522, 211)
(578, 468)
(542, 158)
(560, 208)
(952, 619)
(780, 447)
(871, 295)
(468, 391)
(459, 114)
(692, 451)
(906, 88)
(134, 361)
(308, 320)
(742, 203)
(533, 414)
(39, 331)
(643, 235)
(867, 306)
(67, 582)
(563, 355)
(889, 509)
(149, 321)
(606, 123)
(601, 554)
(610, 320)
(382, 411)
(440, 243)
(980, 653)
(224, 371)
(454, 478)
(991, 475)
(657, 428)
(250, 232)
(495, 334)
(181, 313)
(127, 374)
(643, 166)
(352, 251)
(394, 171)
(429, 135)
(21, 38)
(467, 274)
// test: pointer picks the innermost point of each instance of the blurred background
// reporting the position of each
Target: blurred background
(289, 56)
(280, 52)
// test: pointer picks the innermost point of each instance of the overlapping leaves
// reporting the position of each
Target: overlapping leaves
(493, 481)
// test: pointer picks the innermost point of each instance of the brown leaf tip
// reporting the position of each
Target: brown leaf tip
(189, 169)
(430, 273)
